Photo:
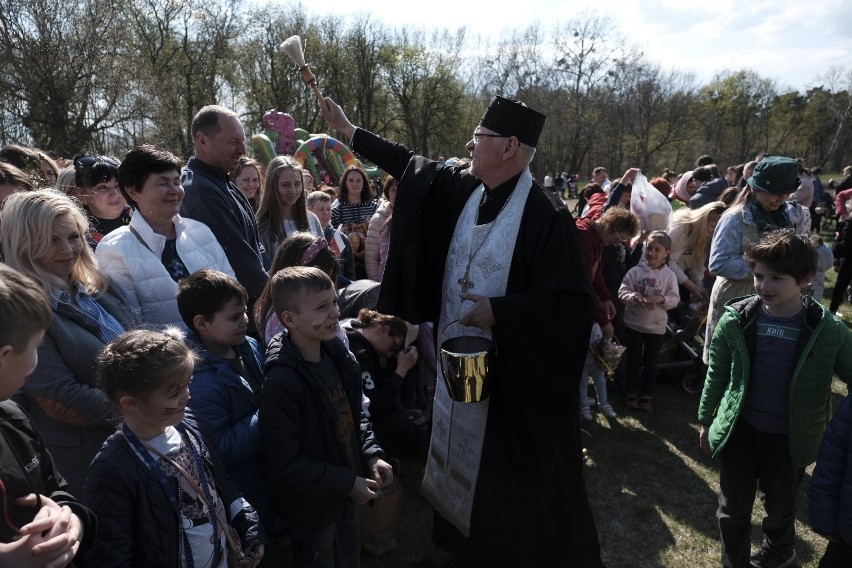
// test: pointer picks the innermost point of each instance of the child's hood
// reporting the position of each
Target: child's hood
(281, 351)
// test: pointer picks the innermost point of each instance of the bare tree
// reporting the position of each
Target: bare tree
(184, 61)
(369, 48)
(63, 77)
(586, 51)
(660, 112)
(266, 77)
(427, 96)
(739, 106)
(515, 67)
(839, 82)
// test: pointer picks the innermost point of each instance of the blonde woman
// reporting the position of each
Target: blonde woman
(43, 235)
(691, 232)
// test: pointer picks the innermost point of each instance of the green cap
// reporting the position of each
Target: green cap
(775, 174)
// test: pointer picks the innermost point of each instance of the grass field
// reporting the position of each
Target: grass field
(652, 491)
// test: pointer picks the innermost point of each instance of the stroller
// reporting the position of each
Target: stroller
(681, 352)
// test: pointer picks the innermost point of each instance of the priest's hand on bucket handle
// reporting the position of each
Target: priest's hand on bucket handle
(480, 315)
(335, 117)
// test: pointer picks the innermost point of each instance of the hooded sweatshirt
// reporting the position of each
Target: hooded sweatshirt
(640, 282)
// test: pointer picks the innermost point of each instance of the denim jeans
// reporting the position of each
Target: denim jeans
(591, 370)
(331, 546)
(754, 460)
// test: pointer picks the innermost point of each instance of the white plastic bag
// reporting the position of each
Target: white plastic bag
(649, 205)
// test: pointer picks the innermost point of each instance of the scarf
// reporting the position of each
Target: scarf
(769, 220)
(679, 189)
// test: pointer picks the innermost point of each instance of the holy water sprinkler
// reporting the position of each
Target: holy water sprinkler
(292, 46)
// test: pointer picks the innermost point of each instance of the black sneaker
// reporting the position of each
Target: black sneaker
(768, 559)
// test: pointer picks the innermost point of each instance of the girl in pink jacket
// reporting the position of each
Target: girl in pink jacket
(648, 291)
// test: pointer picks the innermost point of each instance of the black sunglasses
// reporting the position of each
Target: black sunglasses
(89, 161)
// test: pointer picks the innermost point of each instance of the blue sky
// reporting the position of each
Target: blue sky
(791, 42)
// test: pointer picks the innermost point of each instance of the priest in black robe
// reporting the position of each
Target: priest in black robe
(530, 506)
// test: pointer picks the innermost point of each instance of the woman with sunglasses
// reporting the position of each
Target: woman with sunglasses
(97, 190)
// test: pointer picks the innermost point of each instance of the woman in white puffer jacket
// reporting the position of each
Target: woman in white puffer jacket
(146, 259)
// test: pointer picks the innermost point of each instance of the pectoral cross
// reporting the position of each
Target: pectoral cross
(465, 282)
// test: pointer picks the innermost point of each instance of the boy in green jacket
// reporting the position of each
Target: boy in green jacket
(765, 403)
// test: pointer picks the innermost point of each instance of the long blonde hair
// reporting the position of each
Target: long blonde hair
(26, 231)
(696, 222)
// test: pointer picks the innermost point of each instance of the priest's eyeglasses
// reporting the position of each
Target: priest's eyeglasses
(477, 136)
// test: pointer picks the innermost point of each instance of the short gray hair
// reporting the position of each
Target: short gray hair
(527, 151)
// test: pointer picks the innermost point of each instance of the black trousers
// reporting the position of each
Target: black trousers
(837, 555)
(643, 354)
(754, 460)
(844, 277)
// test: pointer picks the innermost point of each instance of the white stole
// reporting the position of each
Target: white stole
(458, 429)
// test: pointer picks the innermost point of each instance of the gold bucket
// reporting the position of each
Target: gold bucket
(466, 362)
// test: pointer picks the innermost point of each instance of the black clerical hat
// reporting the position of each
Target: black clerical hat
(513, 118)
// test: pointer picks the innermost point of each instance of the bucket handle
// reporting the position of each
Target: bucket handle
(446, 327)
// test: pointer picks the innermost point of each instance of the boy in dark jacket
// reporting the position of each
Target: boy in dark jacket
(226, 382)
(766, 396)
(30, 485)
(321, 457)
(831, 490)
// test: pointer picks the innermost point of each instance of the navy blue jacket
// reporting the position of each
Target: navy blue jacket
(212, 199)
(138, 526)
(831, 485)
(228, 407)
(708, 193)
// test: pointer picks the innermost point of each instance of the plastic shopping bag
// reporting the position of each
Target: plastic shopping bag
(649, 205)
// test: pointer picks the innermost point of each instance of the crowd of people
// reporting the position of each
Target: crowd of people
(748, 249)
(220, 356)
